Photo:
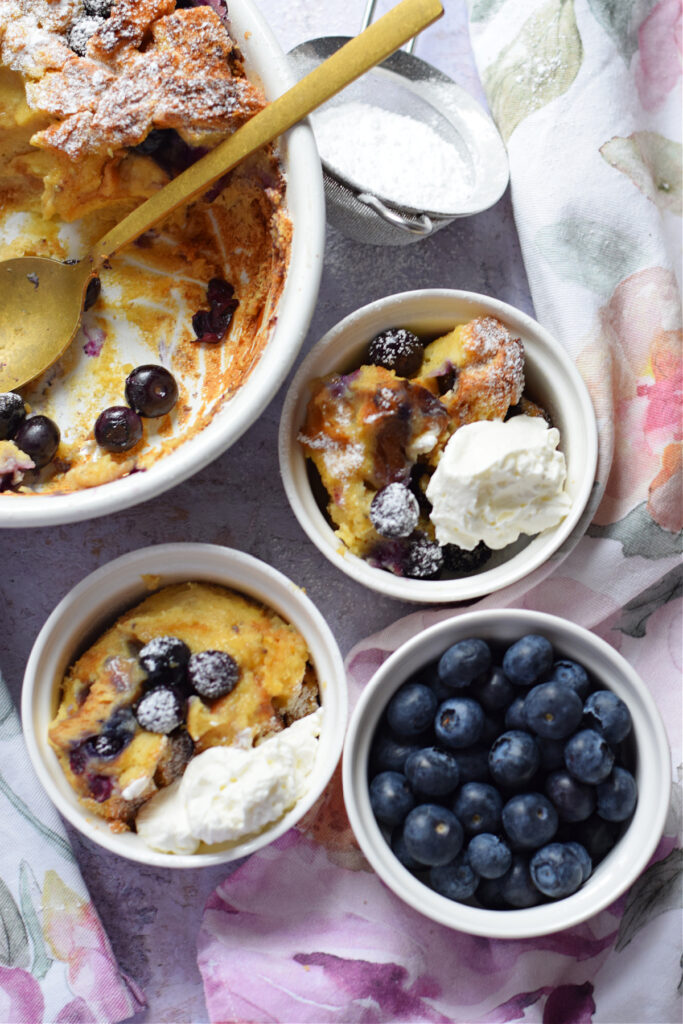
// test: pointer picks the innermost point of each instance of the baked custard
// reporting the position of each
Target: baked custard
(381, 437)
(194, 666)
(101, 104)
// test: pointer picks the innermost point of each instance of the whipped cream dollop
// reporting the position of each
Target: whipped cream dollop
(496, 480)
(228, 793)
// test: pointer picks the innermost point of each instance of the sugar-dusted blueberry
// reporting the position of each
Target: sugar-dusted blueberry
(489, 855)
(389, 753)
(530, 820)
(478, 806)
(494, 691)
(609, 715)
(556, 870)
(397, 349)
(528, 659)
(164, 659)
(151, 390)
(583, 857)
(411, 710)
(574, 800)
(570, 673)
(514, 758)
(459, 722)
(516, 886)
(213, 674)
(432, 772)
(81, 31)
(394, 511)
(456, 880)
(118, 428)
(588, 756)
(552, 710)
(422, 558)
(460, 560)
(617, 795)
(160, 710)
(98, 8)
(12, 414)
(514, 716)
(38, 436)
(433, 835)
(464, 661)
(391, 798)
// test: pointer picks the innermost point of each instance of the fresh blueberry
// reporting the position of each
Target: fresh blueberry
(389, 753)
(423, 558)
(398, 847)
(516, 887)
(160, 710)
(514, 716)
(411, 710)
(118, 428)
(459, 722)
(394, 511)
(552, 710)
(583, 857)
(391, 798)
(595, 834)
(490, 895)
(38, 437)
(617, 795)
(527, 660)
(514, 758)
(151, 390)
(432, 772)
(530, 820)
(494, 691)
(570, 673)
(213, 674)
(456, 880)
(397, 349)
(478, 807)
(464, 661)
(573, 800)
(461, 561)
(588, 756)
(164, 659)
(608, 715)
(556, 870)
(433, 835)
(473, 763)
(489, 855)
(12, 414)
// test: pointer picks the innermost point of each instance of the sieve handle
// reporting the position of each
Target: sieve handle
(422, 225)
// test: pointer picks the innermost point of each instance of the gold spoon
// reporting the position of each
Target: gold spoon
(41, 300)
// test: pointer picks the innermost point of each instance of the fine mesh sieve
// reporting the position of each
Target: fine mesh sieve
(404, 84)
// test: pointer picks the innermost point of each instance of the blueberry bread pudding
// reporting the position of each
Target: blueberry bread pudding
(375, 436)
(193, 666)
(102, 103)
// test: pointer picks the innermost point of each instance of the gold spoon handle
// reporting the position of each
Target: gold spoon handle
(371, 47)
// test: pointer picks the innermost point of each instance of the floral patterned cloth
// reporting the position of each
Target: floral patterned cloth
(587, 96)
(56, 964)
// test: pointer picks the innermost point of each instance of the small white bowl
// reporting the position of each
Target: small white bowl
(268, 66)
(620, 867)
(552, 380)
(94, 604)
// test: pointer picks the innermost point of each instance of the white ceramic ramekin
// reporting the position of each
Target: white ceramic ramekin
(266, 64)
(621, 866)
(552, 380)
(93, 605)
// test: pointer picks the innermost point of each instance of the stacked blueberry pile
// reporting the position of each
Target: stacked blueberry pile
(502, 780)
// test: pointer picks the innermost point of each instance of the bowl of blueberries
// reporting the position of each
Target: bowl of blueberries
(507, 773)
(437, 445)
